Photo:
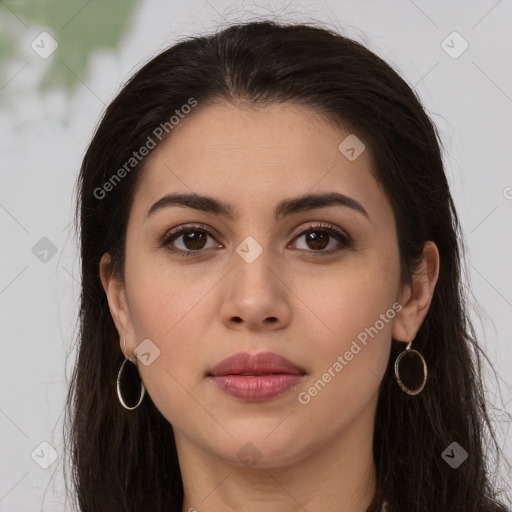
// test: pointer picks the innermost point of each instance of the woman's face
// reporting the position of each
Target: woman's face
(251, 282)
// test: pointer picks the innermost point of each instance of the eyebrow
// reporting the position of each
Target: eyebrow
(285, 207)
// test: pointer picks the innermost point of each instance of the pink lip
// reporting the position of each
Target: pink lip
(256, 377)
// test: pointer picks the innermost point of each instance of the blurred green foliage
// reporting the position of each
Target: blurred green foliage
(80, 27)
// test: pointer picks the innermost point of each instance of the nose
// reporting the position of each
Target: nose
(256, 295)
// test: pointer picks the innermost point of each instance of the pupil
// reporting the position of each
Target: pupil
(315, 238)
(191, 238)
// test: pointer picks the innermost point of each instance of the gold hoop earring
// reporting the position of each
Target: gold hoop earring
(405, 353)
(128, 379)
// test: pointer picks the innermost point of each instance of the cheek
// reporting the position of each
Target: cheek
(163, 296)
(353, 297)
(168, 308)
(160, 313)
(357, 306)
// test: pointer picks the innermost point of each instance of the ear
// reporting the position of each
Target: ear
(118, 304)
(417, 296)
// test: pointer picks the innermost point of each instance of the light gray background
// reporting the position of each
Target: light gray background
(43, 136)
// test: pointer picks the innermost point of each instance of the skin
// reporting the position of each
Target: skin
(292, 299)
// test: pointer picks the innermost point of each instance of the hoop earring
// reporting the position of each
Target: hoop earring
(406, 352)
(128, 378)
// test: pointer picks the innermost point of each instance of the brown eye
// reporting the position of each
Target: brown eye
(194, 240)
(317, 238)
(187, 240)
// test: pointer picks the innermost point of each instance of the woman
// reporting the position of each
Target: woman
(272, 314)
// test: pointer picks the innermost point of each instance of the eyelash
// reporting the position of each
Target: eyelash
(323, 227)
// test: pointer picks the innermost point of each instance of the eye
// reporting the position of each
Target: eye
(191, 239)
(320, 236)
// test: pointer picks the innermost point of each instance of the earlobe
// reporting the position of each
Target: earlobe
(116, 297)
(417, 297)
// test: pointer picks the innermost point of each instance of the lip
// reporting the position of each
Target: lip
(256, 377)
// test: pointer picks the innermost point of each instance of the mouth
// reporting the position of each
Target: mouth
(256, 374)
(256, 377)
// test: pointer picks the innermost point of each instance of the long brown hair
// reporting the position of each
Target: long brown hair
(126, 460)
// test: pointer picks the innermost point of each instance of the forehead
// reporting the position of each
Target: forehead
(252, 156)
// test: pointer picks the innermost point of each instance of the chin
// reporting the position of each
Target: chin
(255, 447)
